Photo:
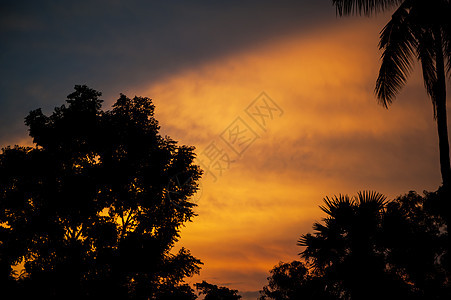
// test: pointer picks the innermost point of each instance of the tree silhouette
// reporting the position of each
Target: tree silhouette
(294, 281)
(370, 248)
(344, 245)
(414, 239)
(418, 30)
(86, 211)
(213, 292)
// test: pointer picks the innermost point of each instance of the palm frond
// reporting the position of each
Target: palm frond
(304, 240)
(320, 251)
(447, 46)
(371, 197)
(319, 228)
(363, 7)
(371, 205)
(398, 43)
(447, 39)
(332, 205)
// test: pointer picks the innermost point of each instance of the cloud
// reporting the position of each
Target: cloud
(203, 64)
(332, 138)
(116, 46)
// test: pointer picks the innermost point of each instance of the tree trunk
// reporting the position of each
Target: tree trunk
(442, 127)
(440, 102)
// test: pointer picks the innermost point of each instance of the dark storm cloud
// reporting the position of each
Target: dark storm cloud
(46, 47)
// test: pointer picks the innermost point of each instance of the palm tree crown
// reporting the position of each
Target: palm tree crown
(419, 30)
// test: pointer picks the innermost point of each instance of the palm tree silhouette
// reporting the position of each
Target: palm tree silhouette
(369, 248)
(346, 248)
(421, 30)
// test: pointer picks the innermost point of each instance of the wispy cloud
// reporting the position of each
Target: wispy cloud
(203, 64)
(332, 138)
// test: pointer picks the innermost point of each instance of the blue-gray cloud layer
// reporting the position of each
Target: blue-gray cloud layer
(46, 47)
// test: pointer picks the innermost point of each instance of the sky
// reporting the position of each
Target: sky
(209, 67)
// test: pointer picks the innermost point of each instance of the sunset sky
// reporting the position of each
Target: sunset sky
(204, 63)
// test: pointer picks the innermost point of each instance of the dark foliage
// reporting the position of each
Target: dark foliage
(294, 281)
(370, 248)
(86, 212)
(213, 292)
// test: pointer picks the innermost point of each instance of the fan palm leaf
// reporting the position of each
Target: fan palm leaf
(339, 234)
(366, 7)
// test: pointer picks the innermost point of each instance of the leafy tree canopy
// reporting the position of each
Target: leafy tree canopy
(86, 211)
(294, 281)
(213, 292)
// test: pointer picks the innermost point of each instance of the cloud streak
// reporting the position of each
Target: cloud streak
(333, 138)
(203, 64)
(115, 46)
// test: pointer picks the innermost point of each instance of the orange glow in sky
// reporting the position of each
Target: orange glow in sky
(204, 63)
(332, 138)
